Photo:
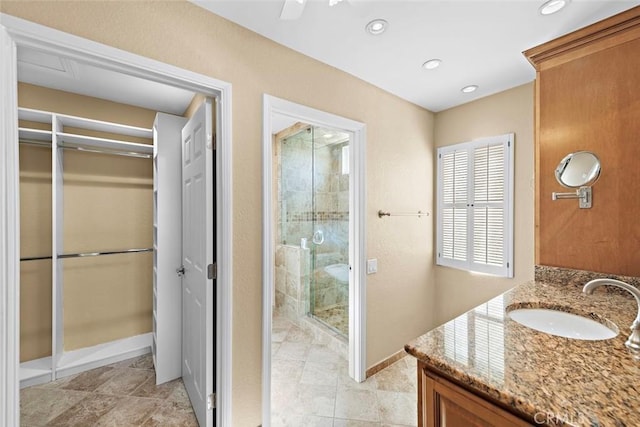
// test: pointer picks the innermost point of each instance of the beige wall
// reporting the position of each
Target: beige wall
(107, 206)
(399, 161)
(35, 241)
(511, 111)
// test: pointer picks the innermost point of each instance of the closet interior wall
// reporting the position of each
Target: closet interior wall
(107, 205)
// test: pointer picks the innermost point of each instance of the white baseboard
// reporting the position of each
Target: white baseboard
(76, 361)
(35, 372)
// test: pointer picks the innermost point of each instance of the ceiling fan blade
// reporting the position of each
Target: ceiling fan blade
(292, 9)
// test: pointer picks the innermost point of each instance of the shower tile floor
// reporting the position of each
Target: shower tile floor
(122, 394)
(337, 317)
(310, 386)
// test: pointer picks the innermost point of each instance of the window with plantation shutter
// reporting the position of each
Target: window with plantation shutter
(475, 206)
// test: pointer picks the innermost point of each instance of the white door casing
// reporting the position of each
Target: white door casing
(357, 237)
(197, 255)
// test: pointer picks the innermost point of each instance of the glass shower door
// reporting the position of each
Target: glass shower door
(329, 285)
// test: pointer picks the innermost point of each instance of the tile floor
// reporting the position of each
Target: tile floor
(310, 386)
(118, 395)
(337, 317)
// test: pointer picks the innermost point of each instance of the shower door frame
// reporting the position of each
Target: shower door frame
(357, 243)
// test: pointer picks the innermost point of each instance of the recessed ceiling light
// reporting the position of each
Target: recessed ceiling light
(376, 27)
(552, 6)
(469, 89)
(432, 63)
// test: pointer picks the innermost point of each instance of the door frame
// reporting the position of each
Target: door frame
(357, 247)
(16, 32)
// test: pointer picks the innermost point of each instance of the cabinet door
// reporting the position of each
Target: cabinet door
(447, 405)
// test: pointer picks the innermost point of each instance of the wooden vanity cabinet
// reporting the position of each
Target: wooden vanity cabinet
(442, 403)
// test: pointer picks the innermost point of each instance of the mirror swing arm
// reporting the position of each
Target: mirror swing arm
(583, 194)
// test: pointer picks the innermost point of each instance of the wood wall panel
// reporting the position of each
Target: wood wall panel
(591, 103)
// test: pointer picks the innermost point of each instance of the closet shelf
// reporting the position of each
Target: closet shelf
(27, 134)
(70, 140)
(34, 115)
(100, 126)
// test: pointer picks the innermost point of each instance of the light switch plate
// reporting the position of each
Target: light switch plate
(372, 266)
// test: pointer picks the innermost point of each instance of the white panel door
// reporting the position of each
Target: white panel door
(197, 254)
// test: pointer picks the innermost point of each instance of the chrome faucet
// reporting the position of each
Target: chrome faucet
(633, 342)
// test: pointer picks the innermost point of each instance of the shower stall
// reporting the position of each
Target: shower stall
(312, 248)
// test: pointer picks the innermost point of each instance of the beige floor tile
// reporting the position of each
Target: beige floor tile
(131, 411)
(279, 334)
(151, 390)
(124, 381)
(86, 412)
(353, 404)
(60, 403)
(397, 377)
(318, 373)
(38, 406)
(387, 399)
(181, 397)
(59, 383)
(143, 362)
(345, 380)
(293, 351)
(300, 421)
(275, 346)
(320, 353)
(286, 371)
(398, 408)
(281, 322)
(354, 423)
(169, 414)
(305, 399)
(90, 380)
(295, 334)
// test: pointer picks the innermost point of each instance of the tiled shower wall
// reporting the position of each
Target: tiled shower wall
(292, 281)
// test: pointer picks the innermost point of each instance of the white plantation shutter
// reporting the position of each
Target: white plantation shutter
(475, 206)
(455, 168)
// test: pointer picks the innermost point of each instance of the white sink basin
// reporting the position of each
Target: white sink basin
(562, 324)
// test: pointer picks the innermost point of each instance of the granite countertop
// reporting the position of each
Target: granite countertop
(548, 379)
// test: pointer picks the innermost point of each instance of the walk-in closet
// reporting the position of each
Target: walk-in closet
(100, 230)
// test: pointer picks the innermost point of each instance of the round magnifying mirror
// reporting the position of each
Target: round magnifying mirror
(578, 169)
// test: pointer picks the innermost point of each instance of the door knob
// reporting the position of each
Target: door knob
(180, 271)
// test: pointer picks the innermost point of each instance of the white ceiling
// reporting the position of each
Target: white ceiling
(480, 42)
(56, 72)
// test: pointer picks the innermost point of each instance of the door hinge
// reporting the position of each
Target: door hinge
(211, 401)
(212, 271)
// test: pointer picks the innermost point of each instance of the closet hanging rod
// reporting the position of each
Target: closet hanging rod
(116, 153)
(89, 254)
(381, 213)
(34, 142)
(35, 258)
